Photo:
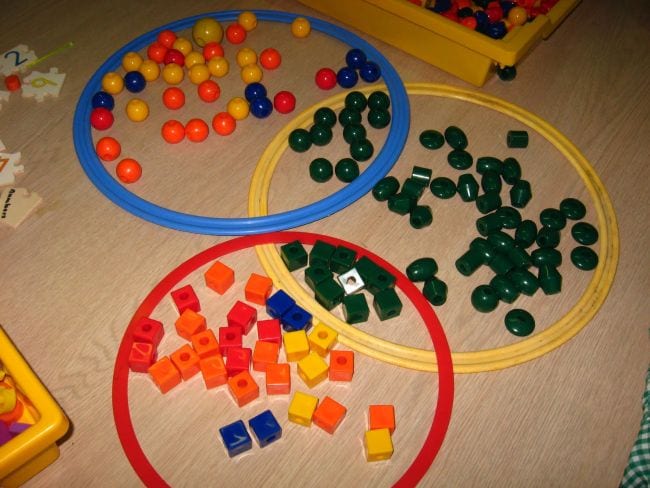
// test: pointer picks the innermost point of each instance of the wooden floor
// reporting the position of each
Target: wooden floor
(75, 272)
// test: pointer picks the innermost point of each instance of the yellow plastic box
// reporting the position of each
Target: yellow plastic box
(34, 449)
(465, 53)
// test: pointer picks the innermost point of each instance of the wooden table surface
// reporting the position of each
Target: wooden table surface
(75, 271)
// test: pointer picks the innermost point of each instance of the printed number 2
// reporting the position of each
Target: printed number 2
(18, 61)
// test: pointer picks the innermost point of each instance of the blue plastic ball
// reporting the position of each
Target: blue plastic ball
(254, 90)
(261, 107)
(440, 6)
(134, 81)
(496, 30)
(370, 72)
(347, 77)
(355, 58)
(103, 100)
(482, 20)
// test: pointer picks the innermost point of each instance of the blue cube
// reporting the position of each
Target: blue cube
(296, 318)
(236, 438)
(278, 303)
(266, 428)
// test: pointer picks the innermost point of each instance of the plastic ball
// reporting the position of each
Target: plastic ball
(321, 170)
(137, 110)
(347, 77)
(251, 73)
(238, 108)
(218, 66)
(150, 70)
(128, 170)
(173, 98)
(299, 140)
(507, 73)
(378, 119)
(103, 99)
(173, 74)
(174, 56)
(212, 50)
(248, 20)
(518, 15)
(193, 58)
(131, 61)
(134, 81)
(166, 38)
(284, 102)
(108, 149)
(199, 73)
(261, 107)
(270, 58)
(355, 58)
(370, 72)
(235, 34)
(496, 30)
(183, 45)
(469, 22)
(224, 124)
(196, 130)
(157, 52)
(362, 150)
(206, 30)
(300, 27)
(101, 118)
(325, 78)
(347, 170)
(378, 100)
(112, 83)
(254, 90)
(246, 56)
(356, 100)
(173, 131)
(320, 135)
(209, 91)
(12, 83)
(325, 116)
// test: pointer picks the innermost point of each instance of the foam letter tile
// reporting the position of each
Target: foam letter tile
(15, 59)
(16, 204)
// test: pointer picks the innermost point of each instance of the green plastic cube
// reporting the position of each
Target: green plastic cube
(320, 254)
(355, 308)
(294, 255)
(342, 260)
(315, 274)
(387, 304)
(329, 293)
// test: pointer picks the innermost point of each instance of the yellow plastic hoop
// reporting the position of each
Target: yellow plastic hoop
(464, 362)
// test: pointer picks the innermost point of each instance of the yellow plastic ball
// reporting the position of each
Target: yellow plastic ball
(137, 110)
(112, 83)
(183, 45)
(173, 74)
(218, 66)
(199, 73)
(238, 108)
(193, 58)
(131, 61)
(206, 30)
(300, 27)
(150, 70)
(248, 20)
(518, 15)
(246, 56)
(251, 73)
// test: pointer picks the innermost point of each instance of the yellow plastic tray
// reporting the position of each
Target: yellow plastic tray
(467, 54)
(35, 448)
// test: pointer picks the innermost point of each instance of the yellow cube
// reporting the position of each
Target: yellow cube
(379, 445)
(322, 338)
(296, 345)
(301, 408)
(312, 369)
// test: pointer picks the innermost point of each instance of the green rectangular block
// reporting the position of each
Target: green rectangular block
(315, 274)
(294, 255)
(387, 304)
(355, 308)
(329, 293)
(320, 253)
(342, 259)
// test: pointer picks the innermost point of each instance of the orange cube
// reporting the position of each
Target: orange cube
(381, 417)
(329, 414)
(265, 353)
(205, 344)
(278, 379)
(341, 365)
(214, 371)
(164, 374)
(190, 323)
(219, 277)
(186, 361)
(258, 288)
(243, 388)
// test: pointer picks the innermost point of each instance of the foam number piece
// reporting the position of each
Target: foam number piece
(16, 204)
(16, 59)
(4, 97)
(41, 85)
(9, 168)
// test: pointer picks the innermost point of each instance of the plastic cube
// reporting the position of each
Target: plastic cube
(294, 255)
(355, 309)
(320, 254)
(296, 345)
(342, 259)
(381, 417)
(258, 289)
(296, 318)
(205, 344)
(278, 303)
(186, 361)
(278, 379)
(269, 331)
(341, 365)
(265, 353)
(243, 388)
(214, 372)
(238, 360)
(329, 293)
(316, 274)
(229, 337)
(301, 408)
(142, 356)
(164, 374)
(322, 338)
(148, 330)
(219, 277)
(387, 304)
(236, 438)
(329, 414)
(266, 428)
(312, 369)
(190, 323)
(185, 298)
(379, 445)
(243, 316)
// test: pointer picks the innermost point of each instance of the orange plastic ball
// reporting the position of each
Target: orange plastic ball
(300, 27)
(108, 149)
(173, 131)
(173, 98)
(224, 124)
(196, 130)
(212, 50)
(235, 34)
(209, 91)
(166, 38)
(270, 58)
(248, 20)
(128, 170)
(156, 52)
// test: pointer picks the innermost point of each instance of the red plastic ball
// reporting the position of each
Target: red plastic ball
(212, 50)
(196, 130)
(224, 124)
(284, 102)
(173, 98)
(326, 78)
(209, 91)
(156, 52)
(235, 34)
(270, 58)
(174, 56)
(101, 118)
(469, 22)
(167, 38)
(173, 131)
(128, 170)
(12, 82)
(108, 149)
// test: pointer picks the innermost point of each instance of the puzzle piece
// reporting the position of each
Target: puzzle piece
(40, 85)
(4, 97)
(16, 204)
(9, 168)
(16, 59)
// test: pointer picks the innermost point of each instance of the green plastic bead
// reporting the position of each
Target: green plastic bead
(435, 290)
(546, 256)
(520, 194)
(354, 132)
(584, 233)
(355, 308)
(342, 259)
(378, 100)
(547, 237)
(505, 288)
(366, 268)
(501, 241)
(526, 233)
(421, 217)
(321, 253)
(483, 248)
(519, 257)
(378, 119)
(347, 170)
(443, 187)
(321, 170)
(422, 269)
(501, 264)
(349, 116)
(320, 135)
(362, 150)
(550, 280)
(517, 138)
(467, 187)
(469, 262)
(519, 322)
(329, 293)
(552, 218)
(387, 304)
(491, 181)
(488, 202)
(432, 139)
(356, 101)
(584, 258)
(455, 137)
(325, 116)
(401, 203)
(421, 175)
(459, 159)
(525, 281)
(315, 274)
(489, 223)
(299, 140)
(510, 217)
(488, 163)
(511, 171)
(484, 298)
(379, 280)
(413, 188)
(294, 255)
(573, 209)
(507, 73)
(385, 188)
